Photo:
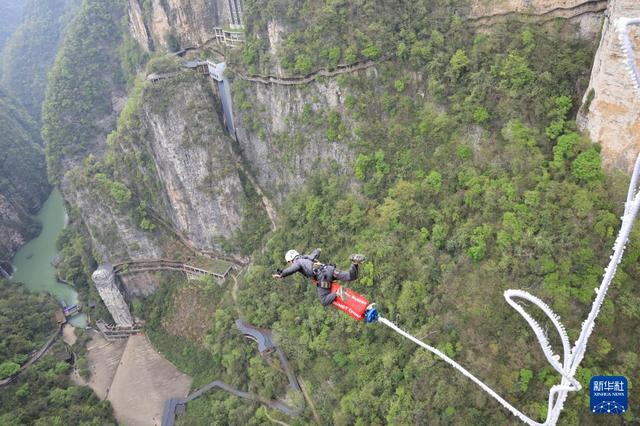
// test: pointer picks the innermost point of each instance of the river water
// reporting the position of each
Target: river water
(32, 263)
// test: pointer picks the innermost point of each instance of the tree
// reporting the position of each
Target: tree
(8, 369)
(586, 166)
(458, 64)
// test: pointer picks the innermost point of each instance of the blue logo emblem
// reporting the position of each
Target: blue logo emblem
(609, 394)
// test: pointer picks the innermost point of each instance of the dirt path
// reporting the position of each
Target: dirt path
(303, 387)
(274, 420)
(234, 292)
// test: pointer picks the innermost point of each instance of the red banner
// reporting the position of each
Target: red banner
(354, 306)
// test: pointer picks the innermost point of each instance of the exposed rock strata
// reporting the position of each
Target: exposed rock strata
(611, 107)
(194, 164)
(137, 27)
(191, 22)
(114, 235)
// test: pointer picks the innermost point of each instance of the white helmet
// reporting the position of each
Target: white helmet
(291, 254)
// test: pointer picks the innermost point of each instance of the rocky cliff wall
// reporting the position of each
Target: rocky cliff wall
(283, 132)
(114, 235)
(137, 26)
(537, 7)
(201, 185)
(192, 23)
(170, 151)
(611, 107)
(12, 229)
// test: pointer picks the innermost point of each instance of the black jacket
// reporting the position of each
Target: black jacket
(303, 264)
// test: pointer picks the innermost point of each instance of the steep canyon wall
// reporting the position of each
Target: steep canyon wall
(610, 113)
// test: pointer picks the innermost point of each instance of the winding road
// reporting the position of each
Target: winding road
(265, 345)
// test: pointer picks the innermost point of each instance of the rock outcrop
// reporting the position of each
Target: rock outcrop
(192, 23)
(137, 27)
(610, 113)
(202, 189)
(280, 146)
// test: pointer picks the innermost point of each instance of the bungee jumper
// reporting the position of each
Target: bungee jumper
(325, 277)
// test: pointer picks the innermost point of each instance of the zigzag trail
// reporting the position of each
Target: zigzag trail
(571, 357)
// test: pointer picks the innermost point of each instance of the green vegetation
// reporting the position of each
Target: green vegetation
(320, 34)
(27, 322)
(85, 76)
(23, 183)
(219, 353)
(77, 263)
(31, 50)
(473, 181)
(42, 394)
(255, 223)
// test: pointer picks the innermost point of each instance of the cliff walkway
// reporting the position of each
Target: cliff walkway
(261, 336)
(145, 265)
(322, 72)
(584, 8)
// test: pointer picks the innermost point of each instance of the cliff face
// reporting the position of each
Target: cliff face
(536, 7)
(611, 107)
(193, 160)
(114, 234)
(137, 26)
(191, 23)
(11, 237)
(283, 134)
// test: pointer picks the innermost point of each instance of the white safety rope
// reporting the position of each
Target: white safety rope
(571, 357)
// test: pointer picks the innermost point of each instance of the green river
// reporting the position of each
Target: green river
(32, 263)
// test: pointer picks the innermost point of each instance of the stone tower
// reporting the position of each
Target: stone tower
(105, 280)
